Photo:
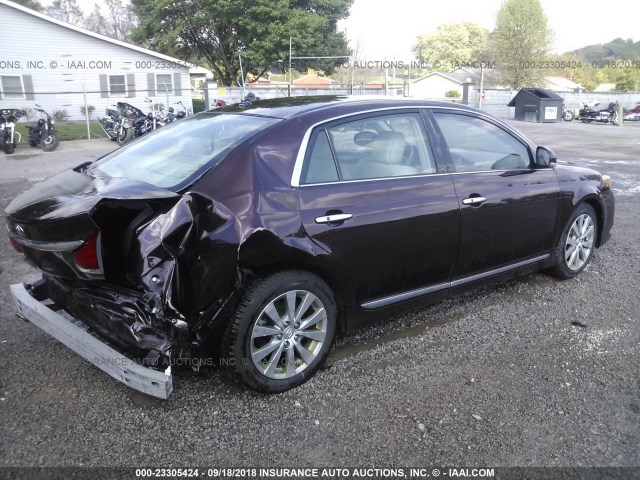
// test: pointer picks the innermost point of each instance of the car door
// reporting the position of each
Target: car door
(508, 206)
(373, 195)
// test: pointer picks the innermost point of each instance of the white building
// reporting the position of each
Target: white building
(54, 64)
(436, 84)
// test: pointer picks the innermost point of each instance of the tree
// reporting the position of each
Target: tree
(629, 80)
(520, 40)
(452, 44)
(257, 30)
(67, 11)
(32, 4)
(118, 23)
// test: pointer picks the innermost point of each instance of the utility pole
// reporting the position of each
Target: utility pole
(290, 72)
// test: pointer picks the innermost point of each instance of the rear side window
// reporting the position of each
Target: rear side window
(478, 145)
(375, 147)
(174, 156)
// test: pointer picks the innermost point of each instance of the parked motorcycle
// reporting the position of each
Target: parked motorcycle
(589, 113)
(632, 115)
(43, 132)
(133, 123)
(172, 116)
(8, 119)
(567, 115)
(111, 123)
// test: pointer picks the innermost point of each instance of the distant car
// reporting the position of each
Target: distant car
(253, 233)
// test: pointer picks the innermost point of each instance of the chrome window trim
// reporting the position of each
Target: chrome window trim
(399, 297)
(302, 151)
(342, 182)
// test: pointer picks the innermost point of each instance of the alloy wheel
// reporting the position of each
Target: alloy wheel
(579, 244)
(288, 334)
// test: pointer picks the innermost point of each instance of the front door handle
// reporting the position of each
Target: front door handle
(474, 200)
(336, 218)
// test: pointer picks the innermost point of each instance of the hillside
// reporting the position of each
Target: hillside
(616, 49)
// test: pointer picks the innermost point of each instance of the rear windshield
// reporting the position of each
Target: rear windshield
(174, 156)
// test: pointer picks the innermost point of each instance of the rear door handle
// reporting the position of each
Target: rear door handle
(334, 218)
(474, 200)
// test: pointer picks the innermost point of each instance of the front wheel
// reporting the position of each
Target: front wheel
(50, 142)
(567, 116)
(124, 136)
(9, 147)
(282, 331)
(577, 243)
(615, 119)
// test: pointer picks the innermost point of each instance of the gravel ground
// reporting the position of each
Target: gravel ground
(499, 377)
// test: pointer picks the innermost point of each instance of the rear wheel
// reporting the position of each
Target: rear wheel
(577, 243)
(50, 142)
(282, 331)
(567, 116)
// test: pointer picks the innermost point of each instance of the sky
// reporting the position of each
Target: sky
(387, 29)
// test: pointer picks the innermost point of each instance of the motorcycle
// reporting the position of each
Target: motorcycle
(632, 115)
(567, 115)
(8, 119)
(589, 113)
(172, 116)
(111, 123)
(133, 123)
(43, 132)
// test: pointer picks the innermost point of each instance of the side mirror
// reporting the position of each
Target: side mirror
(545, 157)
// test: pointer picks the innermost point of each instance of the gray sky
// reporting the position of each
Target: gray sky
(388, 28)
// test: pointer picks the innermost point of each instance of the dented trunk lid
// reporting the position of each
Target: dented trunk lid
(53, 218)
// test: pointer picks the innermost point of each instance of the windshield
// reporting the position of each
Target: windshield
(174, 156)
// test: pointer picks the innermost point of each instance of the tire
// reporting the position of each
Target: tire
(50, 142)
(124, 136)
(567, 116)
(577, 243)
(267, 346)
(9, 148)
(615, 119)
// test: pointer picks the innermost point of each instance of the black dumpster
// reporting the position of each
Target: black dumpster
(537, 105)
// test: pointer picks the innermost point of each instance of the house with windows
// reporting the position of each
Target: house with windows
(63, 67)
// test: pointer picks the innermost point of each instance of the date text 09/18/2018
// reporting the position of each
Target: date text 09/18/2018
(577, 64)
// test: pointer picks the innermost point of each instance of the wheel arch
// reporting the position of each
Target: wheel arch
(264, 254)
(595, 203)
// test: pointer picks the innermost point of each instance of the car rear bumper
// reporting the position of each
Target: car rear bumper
(74, 334)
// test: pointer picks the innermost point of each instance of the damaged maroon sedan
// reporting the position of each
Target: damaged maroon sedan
(253, 234)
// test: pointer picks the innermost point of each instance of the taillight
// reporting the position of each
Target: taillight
(16, 245)
(87, 256)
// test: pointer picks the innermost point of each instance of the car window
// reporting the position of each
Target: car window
(174, 156)
(478, 145)
(375, 147)
(321, 167)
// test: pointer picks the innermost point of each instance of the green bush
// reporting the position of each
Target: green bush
(90, 110)
(452, 94)
(60, 115)
(198, 105)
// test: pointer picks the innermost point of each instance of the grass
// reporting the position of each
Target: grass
(68, 130)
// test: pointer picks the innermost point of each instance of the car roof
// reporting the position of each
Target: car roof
(288, 107)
